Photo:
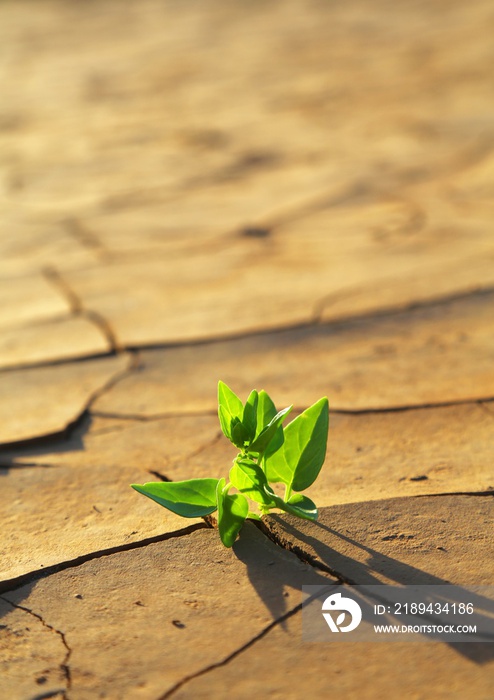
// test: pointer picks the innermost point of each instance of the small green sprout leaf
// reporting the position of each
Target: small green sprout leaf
(266, 410)
(194, 498)
(301, 505)
(248, 477)
(297, 504)
(232, 512)
(268, 435)
(229, 407)
(249, 417)
(298, 462)
(239, 435)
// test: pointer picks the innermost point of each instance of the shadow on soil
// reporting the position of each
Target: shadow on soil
(353, 572)
(272, 573)
(31, 453)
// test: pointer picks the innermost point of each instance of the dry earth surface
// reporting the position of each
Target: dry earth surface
(296, 196)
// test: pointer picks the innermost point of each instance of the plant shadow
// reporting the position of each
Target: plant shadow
(354, 572)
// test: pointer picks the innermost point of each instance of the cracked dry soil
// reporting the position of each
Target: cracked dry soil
(294, 197)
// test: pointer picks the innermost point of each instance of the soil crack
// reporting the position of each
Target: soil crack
(483, 402)
(304, 557)
(415, 407)
(78, 309)
(154, 416)
(487, 407)
(233, 655)
(84, 236)
(33, 576)
(72, 425)
(394, 310)
(56, 279)
(64, 666)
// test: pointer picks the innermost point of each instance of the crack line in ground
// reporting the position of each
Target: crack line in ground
(57, 362)
(68, 651)
(335, 411)
(311, 560)
(27, 465)
(485, 406)
(84, 236)
(44, 440)
(152, 417)
(8, 585)
(223, 337)
(389, 311)
(66, 431)
(305, 558)
(78, 309)
(57, 281)
(231, 656)
(488, 492)
(104, 327)
(267, 629)
(410, 407)
(315, 321)
(134, 363)
(312, 322)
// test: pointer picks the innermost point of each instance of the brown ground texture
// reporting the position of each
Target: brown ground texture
(293, 196)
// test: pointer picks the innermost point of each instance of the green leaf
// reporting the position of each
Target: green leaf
(191, 499)
(239, 434)
(277, 470)
(253, 516)
(266, 410)
(225, 421)
(249, 417)
(271, 434)
(249, 479)
(313, 438)
(298, 462)
(301, 505)
(229, 407)
(297, 504)
(232, 512)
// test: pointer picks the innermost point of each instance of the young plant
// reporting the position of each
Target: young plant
(268, 452)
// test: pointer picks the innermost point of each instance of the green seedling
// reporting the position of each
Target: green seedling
(268, 453)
